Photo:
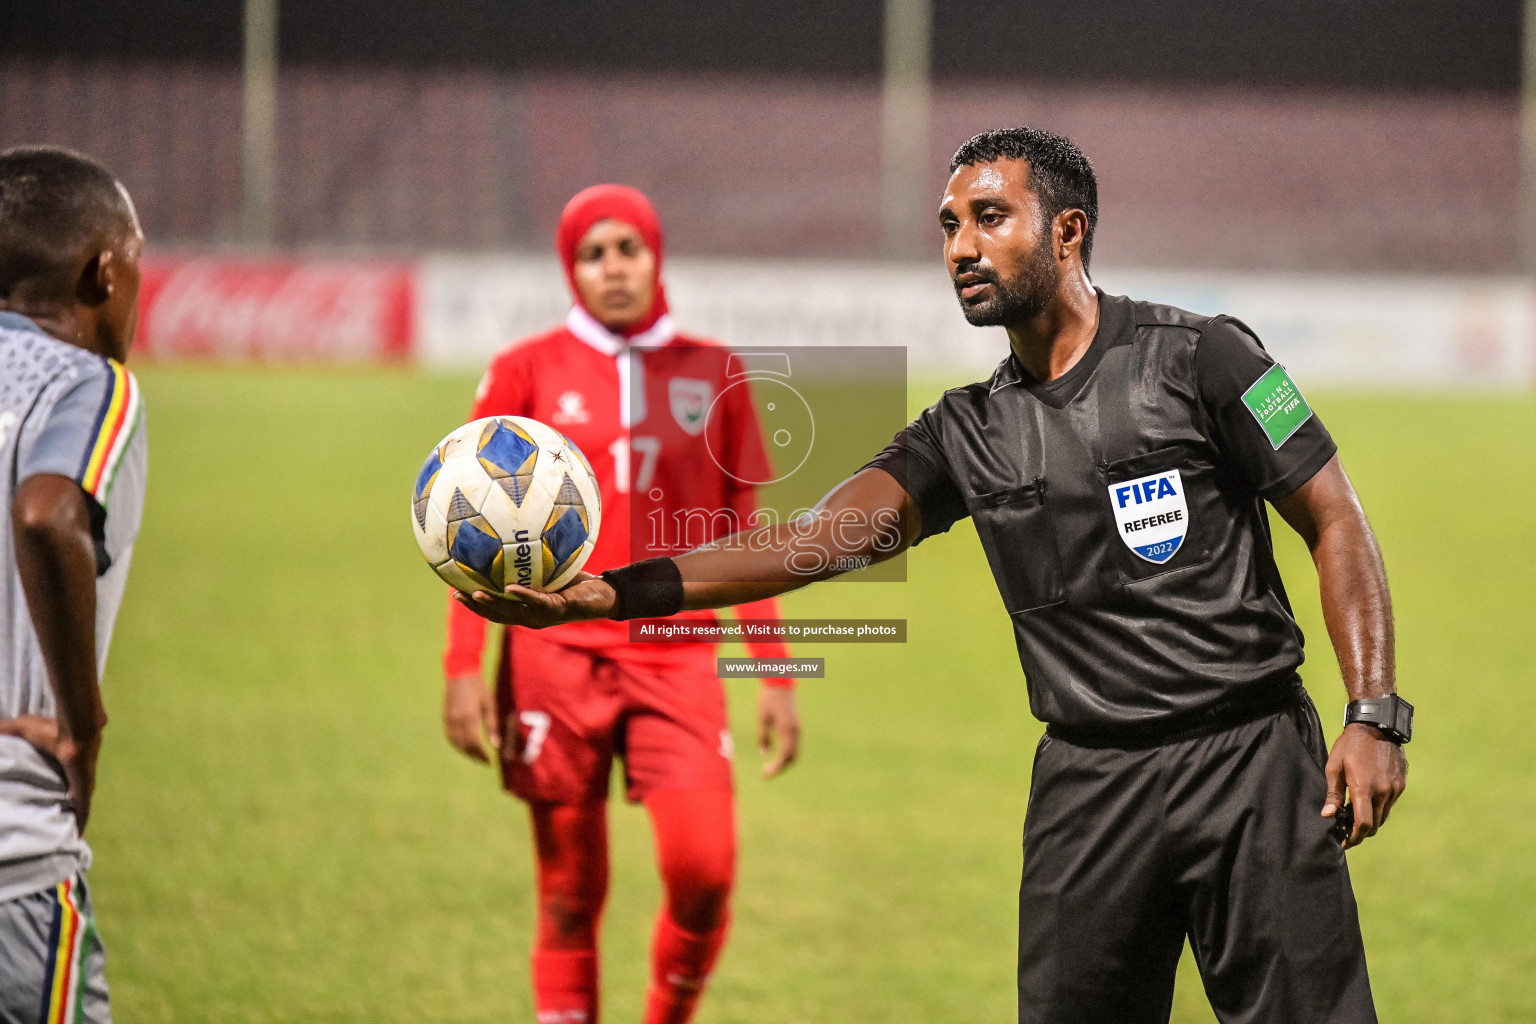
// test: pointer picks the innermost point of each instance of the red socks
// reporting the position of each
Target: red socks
(565, 986)
(680, 964)
(572, 846)
(696, 851)
(565, 981)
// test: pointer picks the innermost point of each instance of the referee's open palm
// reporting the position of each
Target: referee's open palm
(585, 597)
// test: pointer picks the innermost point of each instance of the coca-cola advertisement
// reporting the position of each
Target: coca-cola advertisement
(277, 310)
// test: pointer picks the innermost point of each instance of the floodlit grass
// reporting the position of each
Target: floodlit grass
(282, 834)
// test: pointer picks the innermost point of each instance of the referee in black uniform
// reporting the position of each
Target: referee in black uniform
(1117, 466)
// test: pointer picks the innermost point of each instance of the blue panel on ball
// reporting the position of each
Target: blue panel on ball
(577, 452)
(475, 549)
(428, 471)
(565, 535)
(507, 449)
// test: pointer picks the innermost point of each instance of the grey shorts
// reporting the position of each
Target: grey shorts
(51, 959)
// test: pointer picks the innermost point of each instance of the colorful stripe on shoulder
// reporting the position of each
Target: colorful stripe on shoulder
(116, 421)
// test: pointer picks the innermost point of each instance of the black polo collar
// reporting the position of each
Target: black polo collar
(1116, 321)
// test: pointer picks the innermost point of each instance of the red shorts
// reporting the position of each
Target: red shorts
(661, 711)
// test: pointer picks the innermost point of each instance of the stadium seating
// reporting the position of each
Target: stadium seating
(787, 167)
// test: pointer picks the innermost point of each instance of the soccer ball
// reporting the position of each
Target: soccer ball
(504, 500)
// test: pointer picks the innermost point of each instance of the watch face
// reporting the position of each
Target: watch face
(1391, 714)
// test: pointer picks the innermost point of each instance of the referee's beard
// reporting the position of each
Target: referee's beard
(1016, 299)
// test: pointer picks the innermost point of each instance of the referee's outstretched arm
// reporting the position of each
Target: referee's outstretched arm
(1357, 608)
(870, 517)
(867, 518)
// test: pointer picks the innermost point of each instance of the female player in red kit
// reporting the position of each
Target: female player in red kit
(670, 441)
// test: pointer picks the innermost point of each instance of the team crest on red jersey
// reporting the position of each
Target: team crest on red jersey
(690, 401)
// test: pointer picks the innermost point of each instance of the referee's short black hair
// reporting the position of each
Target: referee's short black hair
(54, 204)
(1059, 172)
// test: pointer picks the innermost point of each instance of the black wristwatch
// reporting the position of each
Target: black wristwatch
(1391, 714)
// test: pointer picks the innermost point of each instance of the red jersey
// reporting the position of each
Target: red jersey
(673, 440)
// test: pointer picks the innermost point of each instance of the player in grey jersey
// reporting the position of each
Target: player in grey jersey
(72, 455)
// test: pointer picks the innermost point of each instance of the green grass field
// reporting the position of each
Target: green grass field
(283, 835)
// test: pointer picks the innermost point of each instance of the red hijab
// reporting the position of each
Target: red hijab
(611, 202)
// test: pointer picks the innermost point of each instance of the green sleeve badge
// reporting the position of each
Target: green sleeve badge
(1276, 402)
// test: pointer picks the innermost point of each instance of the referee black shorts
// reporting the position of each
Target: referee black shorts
(1129, 849)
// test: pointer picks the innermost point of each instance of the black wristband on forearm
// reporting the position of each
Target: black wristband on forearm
(652, 589)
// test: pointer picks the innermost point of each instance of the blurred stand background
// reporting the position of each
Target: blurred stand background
(381, 180)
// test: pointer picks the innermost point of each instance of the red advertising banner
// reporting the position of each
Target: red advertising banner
(279, 310)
